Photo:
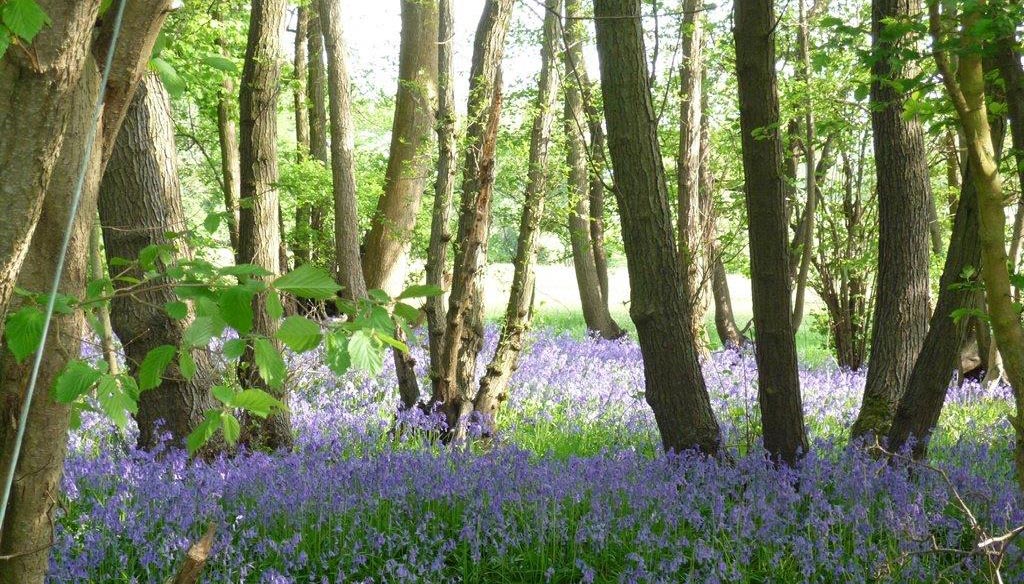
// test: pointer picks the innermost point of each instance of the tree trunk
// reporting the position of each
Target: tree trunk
(140, 201)
(229, 164)
(346, 209)
(438, 273)
(28, 529)
(778, 385)
(811, 174)
(901, 165)
(494, 385)
(316, 92)
(674, 383)
(387, 243)
(582, 237)
(463, 337)
(725, 322)
(300, 70)
(259, 227)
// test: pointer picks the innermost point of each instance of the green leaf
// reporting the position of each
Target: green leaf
(307, 281)
(231, 428)
(234, 349)
(148, 256)
(75, 381)
(186, 364)
(406, 312)
(204, 431)
(24, 18)
(154, 364)
(5, 40)
(380, 320)
(24, 331)
(366, 354)
(419, 291)
(220, 63)
(274, 307)
(269, 362)
(176, 310)
(389, 340)
(244, 270)
(212, 223)
(172, 81)
(257, 402)
(114, 401)
(336, 353)
(202, 331)
(299, 334)
(224, 394)
(236, 309)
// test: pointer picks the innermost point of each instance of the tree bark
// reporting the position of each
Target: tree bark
(463, 339)
(674, 383)
(901, 165)
(230, 166)
(301, 240)
(438, 273)
(729, 332)
(494, 385)
(259, 221)
(582, 236)
(785, 437)
(810, 168)
(139, 202)
(317, 92)
(387, 243)
(346, 210)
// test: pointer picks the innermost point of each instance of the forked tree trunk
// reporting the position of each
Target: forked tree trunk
(387, 243)
(139, 203)
(674, 384)
(901, 296)
(593, 293)
(778, 387)
(494, 385)
(455, 386)
(438, 273)
(343, 170)
(259, 228)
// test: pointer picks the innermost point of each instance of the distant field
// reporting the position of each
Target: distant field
(558, 303)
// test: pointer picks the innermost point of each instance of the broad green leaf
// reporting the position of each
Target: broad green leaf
(186, 364)
(202, 331)
(336, 353)
(236, 309)
(257, 402)
(379, 296)
(221, 63)
(212, 222)
(274, 307)
(234, 349)
(75, 381)
(420, 290)
(114, 401)
(231, 428)
(299, 334)
(366, 353)
(148, 256)
(244, 270)
(224, 394)
(389, 340)
(5, 40)
(24, 331)
(406, 312)
(204, 431)
(151, 370)
(380, 320)
(307, 281)
(172, 81)
(176, 310)
(269, 362)
(24, 18)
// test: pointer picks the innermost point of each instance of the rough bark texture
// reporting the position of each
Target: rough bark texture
(438, 273)
(901, 166)
(346, 210)
(674, 383)
(139, 202)
(494, 385)
(259, 222)
(317, 97)
(387, 243)
(778, 385)
(28, 531)
(593, 299)
(455, 386)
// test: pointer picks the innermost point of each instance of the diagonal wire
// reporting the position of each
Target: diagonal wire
(76, 199)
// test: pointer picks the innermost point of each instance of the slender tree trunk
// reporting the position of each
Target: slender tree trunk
(725, 322)
(463, 338)
(778, 385)
(346, 210)
(387, 243)
(810, 168)
(438, 273)
(494, 385)
(259, 227)
(674, 383)
(228, 136)
(316, 94)
(300, 70)
(582, 237)
(103, 328)
(140, 201)
(901, 165)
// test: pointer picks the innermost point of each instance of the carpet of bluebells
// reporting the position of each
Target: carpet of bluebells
(573, 489)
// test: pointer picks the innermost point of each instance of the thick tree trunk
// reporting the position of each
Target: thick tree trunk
(593, 293)
(901, 165)
(343, 170)
(438, 273)
(140, 201)
(778, 381)
(387, 243)
(494, 385)
(463, 338)
(28, 529)
(259, 226)
(674, 383)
